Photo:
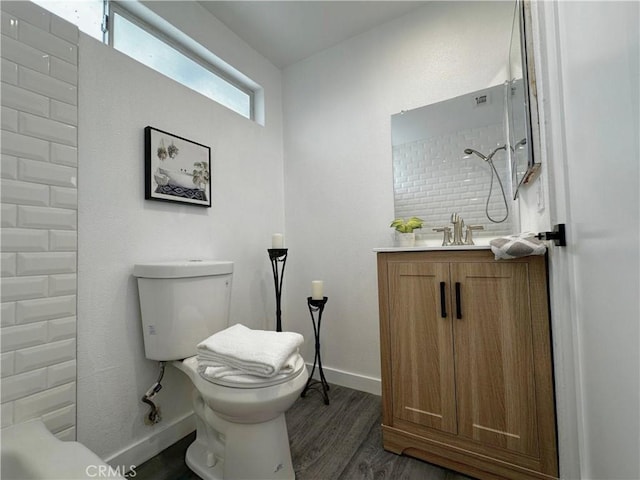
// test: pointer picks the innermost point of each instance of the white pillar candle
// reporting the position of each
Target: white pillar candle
(316, 290)
(277, 240)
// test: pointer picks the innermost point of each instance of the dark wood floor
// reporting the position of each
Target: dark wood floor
(341, 441)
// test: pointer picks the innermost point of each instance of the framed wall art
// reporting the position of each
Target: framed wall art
(176, 169)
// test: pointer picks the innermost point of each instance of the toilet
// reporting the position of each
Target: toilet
(241, 429)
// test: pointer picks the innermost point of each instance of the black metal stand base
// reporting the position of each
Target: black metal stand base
(317, 306)
(278, 255)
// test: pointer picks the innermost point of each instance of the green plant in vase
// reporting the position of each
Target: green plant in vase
(407, 226)
(405, 229)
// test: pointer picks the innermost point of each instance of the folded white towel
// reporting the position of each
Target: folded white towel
(254, 352)
(211, 371)
(515, 246)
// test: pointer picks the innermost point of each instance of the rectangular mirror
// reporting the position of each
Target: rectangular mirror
(434, 177)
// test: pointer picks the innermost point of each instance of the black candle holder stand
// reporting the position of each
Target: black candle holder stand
(317, 306)
(278, 256)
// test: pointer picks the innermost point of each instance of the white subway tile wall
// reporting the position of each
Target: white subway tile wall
(9, 73)
(39, 217)
(432, 180)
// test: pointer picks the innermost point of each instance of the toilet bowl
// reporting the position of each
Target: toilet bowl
(247, 402)
(242, 433)
(240, 421)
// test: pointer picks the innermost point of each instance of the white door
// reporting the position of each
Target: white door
(594, 187)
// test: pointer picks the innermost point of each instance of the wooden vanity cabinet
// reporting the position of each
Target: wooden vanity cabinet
(467, 380)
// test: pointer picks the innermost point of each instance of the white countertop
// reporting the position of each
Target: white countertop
(422, 248)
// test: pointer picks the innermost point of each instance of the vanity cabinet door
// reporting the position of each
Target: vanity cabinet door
(421, 343)
(494, 356)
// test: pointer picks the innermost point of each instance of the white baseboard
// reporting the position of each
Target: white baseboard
(351, 380)
(142, 450)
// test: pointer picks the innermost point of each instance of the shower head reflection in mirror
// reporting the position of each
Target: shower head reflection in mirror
(494, 173)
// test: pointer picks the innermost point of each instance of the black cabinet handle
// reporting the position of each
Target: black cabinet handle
(458, 302)
(443, 300)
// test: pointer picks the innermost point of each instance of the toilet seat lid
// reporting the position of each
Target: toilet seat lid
(247, 381)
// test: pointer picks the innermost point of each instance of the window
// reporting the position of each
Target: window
(140, 41)
(153, 47)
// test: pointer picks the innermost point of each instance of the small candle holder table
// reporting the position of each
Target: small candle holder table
(277, 256)
(317, 306)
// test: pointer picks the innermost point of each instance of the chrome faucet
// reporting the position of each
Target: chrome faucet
(468, 236)
(446, 235)
(458, 225)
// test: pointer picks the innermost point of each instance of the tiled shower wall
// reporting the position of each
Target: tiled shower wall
(39, 217)
(432, 179)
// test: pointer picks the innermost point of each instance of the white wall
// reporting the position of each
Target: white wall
(593, 135)
(117, 227)
(338, 179)
(39, 217)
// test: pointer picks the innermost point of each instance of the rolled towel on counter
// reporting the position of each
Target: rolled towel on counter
(255, 352)
(516, 246)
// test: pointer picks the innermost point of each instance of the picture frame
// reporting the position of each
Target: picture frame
(176, 169)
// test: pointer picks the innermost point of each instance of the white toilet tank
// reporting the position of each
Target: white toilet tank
(182, 303)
